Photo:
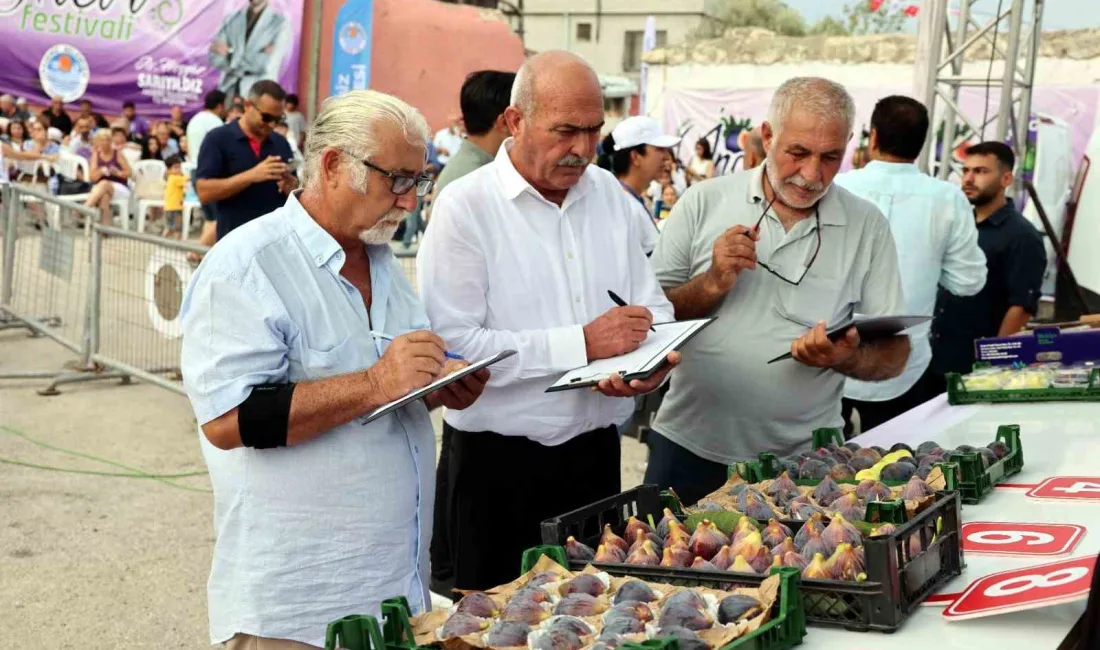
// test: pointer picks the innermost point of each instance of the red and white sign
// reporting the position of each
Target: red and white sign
(1068, 488)
(1005, 538)
(1027, 588)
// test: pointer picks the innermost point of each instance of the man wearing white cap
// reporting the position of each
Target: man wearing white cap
(635, 152)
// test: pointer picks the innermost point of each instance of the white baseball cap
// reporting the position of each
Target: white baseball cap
(640, 129)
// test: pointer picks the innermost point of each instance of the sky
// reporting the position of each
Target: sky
(1057, 14)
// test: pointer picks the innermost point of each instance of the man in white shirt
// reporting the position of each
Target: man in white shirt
(521, 255)
(447, 141)
(211, 117)
(937, 241)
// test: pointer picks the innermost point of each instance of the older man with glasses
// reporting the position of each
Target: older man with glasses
(780, 256)
(243, 167)
(319, 512)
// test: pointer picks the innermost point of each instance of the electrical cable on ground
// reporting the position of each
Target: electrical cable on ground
(130, 472)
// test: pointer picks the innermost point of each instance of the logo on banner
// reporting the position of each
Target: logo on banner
(353, 37)
(64, 73)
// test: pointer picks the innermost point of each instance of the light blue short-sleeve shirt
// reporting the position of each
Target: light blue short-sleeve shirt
(310, 533)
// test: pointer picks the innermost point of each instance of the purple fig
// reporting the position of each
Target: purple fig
(870, 454)
(646, 554)
(803, 509)
(677, 533)
(707, 540)
(612, 554)
(578, 551)
(635, 591)
(897, 472)
(478, 603)
(703, 565)
(677, 555)
(688, 639)
(774, 533)
(816, 570)
(838, 532)
(849, 506)
(732, 609)
(761, 561)
(795, 560)
(928, 447)
(526, 611)
(842, 472)
(884, 529)
(584, 583)
(554, 639)
(846, 564)
(813, 546)
(785, 546)
(860, 463)
(741, 565)
(869, 491)
(580, 604)
(533, 594)
(507, 634)
(688, 597)
(609, 538)
(723, 559)
(633, 524)
(782, 489)
(748, 546)
(916, 489)
(826, 492)
(999, 449)
(814, 469)
(662, 526)
(461, 624)
(759, 509)
(542, 578)
(684, 616)
(814, 526)
(633, 610)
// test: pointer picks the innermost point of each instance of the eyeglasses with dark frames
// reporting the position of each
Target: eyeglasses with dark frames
(402, 183)
(817, 248)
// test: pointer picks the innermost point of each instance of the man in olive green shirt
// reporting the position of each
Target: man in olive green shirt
(485, 95)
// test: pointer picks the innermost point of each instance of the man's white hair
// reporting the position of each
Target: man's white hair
(820, 97)
(523, 90)
(353, 123)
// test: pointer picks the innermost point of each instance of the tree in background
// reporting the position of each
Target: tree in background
(774, 15)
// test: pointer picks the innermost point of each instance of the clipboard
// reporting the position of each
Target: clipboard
(435, 385)
(870, 329)
(649, 359)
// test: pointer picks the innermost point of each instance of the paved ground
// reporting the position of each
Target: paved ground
(97, 562)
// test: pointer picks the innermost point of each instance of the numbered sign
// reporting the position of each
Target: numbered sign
(1068, 488)
(1005, 538)
(1027, 588)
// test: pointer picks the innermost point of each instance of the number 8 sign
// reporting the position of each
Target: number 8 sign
(1005, 538)
(1027, 588)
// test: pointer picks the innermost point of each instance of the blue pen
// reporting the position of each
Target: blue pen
(446, 353)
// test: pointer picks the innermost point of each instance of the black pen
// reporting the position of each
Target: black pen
(622, 303)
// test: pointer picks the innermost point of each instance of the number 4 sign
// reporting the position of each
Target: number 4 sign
(1028, 588)
(1004, 538)
(1071, 488)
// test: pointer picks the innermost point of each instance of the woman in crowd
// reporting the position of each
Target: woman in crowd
(669, 196)
(15, 135)
(636, 152)
(110, 171)
(152, 149)
(701, 166)
(38, 143)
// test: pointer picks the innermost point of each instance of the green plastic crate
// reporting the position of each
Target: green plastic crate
(976, 480)
(783, 631)
(958, 394)
(355, 632)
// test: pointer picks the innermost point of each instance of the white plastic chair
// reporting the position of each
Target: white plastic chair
(131, 155)
(145, 171)
(74, 166)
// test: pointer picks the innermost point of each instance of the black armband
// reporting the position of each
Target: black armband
(263, 418)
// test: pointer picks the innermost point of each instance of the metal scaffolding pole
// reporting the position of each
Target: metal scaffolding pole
(948, 36)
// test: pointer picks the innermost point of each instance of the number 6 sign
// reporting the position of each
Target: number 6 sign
(1004, 538)
(1027, 588)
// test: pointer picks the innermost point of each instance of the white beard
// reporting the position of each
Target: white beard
(383, 231)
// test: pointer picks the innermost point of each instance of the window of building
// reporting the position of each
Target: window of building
(584, 32)
(632, 48)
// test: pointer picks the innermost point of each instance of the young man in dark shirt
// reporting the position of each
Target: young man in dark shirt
(242, 167)
(55, 116)
(1016, 261)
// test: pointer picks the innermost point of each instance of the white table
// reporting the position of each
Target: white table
(1058, 439)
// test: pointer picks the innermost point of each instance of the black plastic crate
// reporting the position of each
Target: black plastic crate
(897, 580)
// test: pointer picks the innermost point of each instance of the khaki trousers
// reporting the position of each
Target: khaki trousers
(249, 642)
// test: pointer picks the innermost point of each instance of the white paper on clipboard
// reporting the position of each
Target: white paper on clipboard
(435, 385)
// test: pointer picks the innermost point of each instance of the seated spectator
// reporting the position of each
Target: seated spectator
(139, 126)
(80, 140)
(57, 117)
(177, 125)
(185, 147)
(21, 110)
(169, 146)
(39, 143)
(120, 137)
(152, 150)
(7, 108)
(110, 172)
(97, 119)
(663, 206)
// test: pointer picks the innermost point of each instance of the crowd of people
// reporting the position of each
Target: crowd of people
(300, 322)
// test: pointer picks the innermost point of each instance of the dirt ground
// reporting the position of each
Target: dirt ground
(103, 562)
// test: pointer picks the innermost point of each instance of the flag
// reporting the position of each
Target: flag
(912, 11)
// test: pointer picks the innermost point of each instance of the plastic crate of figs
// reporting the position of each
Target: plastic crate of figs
(973, 471)
(867, 573)
(552, 608)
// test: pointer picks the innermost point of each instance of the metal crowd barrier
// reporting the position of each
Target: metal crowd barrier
(109, 295)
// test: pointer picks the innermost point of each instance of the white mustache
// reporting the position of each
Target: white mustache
(572, 161)
(798, 181)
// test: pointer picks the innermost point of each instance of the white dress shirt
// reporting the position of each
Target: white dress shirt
(933, 227)
(503, 268)
(310, 533)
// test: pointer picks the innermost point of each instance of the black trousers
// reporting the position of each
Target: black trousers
(872, 414)
(499, 490)
(442, 581)
(673, 466)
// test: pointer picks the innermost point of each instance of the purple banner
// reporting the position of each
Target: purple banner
(155, 53)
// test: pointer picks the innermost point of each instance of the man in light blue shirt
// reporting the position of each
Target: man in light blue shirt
(933, 227)
(319, 514)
